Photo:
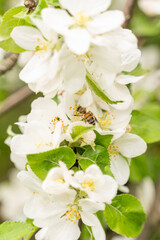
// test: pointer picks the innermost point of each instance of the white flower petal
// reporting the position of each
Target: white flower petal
(150, 7)
(36, 68)
(73, 76)
(131, 59)
(21, 145)
(89, 205)
(30, 180)
(106, 22)
(93, 170)
(48, 33)
(78, 40)
(27, 37)
(120, 169)
(126, 79)
(63, 230)
(86, 99)
(131, 145)
(98, 231)
(56, 19)
(88, 218)
(90, 7)
(110, 189)
(118, 92)
(40, 235)
(19, 160)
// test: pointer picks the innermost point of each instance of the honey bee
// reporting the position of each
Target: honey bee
(30, 4)
(87, 116)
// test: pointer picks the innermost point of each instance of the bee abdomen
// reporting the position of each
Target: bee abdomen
(89, 118)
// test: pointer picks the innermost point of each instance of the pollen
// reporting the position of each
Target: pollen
(81, 19)
(72, 215)
(89, 185)
(113, 151)
(42, 46)
(59, 180)
(106, 120)
(39, 144)
(82, 58)
(53, 123)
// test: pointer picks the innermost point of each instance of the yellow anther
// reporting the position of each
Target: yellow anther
(81, 19)
(72, 215)
(105, 120)
(59, 180)
(89, 185)
(53, 123)
(113, 151)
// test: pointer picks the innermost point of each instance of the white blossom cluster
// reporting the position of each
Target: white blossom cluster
(71, 46)
(65, 198)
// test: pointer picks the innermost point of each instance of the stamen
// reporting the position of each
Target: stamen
(89, 185)
(59, 180)
(105, 120)
(72, 215)
(113, 151)
(81, 19)
(53, 122)
(38, 145)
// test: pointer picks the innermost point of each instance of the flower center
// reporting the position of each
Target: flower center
(72, 215)
(40, 144)
(113, 151)
(81, 19)
(89, 185)
(105, 120)
(44, 45)
(59, 180)
(53, 123)
(83, 58)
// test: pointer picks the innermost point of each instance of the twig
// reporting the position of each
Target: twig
(14, 99)
(128, 12)
(153, 218)
(9, 62)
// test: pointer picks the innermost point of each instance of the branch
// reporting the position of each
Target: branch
(128, 12)
(9, 62)
(14, 99)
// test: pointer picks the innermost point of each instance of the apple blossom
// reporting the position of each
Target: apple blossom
(80, 58)
(38, 72)
(99, 187)
(150, 7)
(63, 208)
(83, 21)
(127, 146)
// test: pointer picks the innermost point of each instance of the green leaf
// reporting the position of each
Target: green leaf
(10, 46)
(97, 90)
(41, 5)
(98, 156)
(9, 21)
(54, 2)
(103, 140)
(145, 126)
(30, 234)
(125, 215)
(36, 13)
(25, 16)
(41, 163)
(78, 131)
(138, 71)
(15, 230)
